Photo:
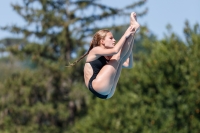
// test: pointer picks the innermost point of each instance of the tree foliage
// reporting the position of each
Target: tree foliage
(160, 94)
(39, 94)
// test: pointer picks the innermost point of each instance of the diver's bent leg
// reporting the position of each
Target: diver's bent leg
(105, 78)
(116, 79)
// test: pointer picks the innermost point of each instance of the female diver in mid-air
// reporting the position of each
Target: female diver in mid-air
(105, 59)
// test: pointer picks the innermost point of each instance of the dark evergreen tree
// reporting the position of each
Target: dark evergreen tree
(159, 95)
(49, 97)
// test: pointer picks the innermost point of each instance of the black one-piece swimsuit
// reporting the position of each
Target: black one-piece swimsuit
(96, 66)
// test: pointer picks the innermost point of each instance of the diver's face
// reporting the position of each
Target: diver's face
(109, 41)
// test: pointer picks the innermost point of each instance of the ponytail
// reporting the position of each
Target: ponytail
(75, 62)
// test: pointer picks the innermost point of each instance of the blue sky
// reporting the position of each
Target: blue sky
(160, 13)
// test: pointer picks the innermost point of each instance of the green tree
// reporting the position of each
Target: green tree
(49, 97)
(159, 95)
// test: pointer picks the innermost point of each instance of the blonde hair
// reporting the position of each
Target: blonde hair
(96, 41)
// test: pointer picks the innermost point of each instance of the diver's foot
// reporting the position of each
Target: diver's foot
(133, 21)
